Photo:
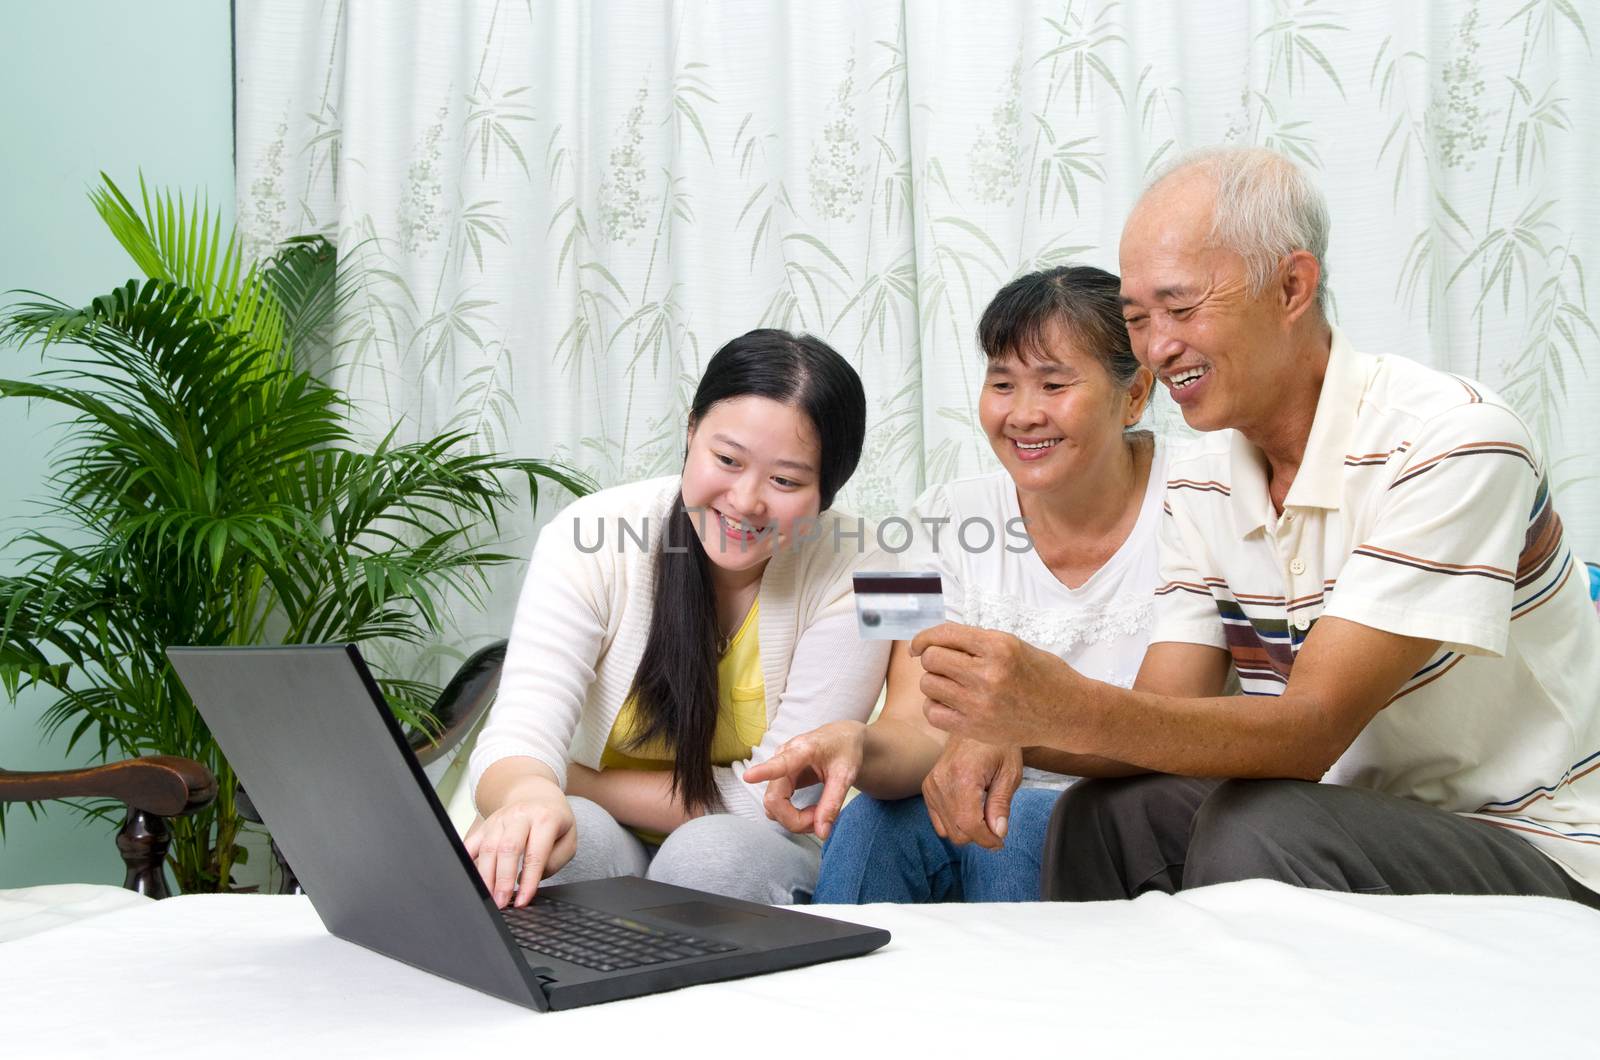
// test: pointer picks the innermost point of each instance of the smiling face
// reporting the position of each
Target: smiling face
(751, 472)
(1055, 417)
(1191, 317)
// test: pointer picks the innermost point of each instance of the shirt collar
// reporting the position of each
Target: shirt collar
(1320, 480)
(1247, 478)
(1318, 483)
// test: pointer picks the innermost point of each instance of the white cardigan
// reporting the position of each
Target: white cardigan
(583, 617)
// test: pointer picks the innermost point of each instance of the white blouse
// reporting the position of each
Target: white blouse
(1101, 628)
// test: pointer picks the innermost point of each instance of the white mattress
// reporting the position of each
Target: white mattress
(1247, 969)
(29, 910)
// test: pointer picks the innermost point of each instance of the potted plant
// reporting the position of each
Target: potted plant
(209, 491)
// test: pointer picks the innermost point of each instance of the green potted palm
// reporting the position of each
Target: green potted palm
(208, 490)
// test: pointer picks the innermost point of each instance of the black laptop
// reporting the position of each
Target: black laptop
(326, 764)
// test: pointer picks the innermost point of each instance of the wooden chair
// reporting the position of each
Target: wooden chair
(157, 787)
(460, 706)
(153, 789)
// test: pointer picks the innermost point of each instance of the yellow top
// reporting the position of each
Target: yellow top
(741, 714)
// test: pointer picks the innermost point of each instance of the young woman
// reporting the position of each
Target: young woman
(673, 632)
(1060, 397)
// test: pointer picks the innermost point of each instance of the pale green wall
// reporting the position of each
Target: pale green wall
(87, 85)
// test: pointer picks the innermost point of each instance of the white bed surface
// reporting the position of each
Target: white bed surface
(30, 910)
(1247, 969)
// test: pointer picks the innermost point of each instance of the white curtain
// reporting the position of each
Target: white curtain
(566, 207)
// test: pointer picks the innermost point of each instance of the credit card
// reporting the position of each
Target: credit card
(896, 605)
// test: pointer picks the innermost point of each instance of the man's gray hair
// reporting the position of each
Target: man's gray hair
(1266, 208)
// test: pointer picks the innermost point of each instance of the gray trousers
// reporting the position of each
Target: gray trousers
(1120, 838)
(720, 852)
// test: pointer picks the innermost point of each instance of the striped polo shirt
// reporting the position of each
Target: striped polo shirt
(1422, 507)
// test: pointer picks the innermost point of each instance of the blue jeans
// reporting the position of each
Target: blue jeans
(889, 852)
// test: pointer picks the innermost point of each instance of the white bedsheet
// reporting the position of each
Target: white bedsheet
(30, 910)
(1248, 969)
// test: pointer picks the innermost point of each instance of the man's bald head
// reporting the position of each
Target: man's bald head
(1248, 200)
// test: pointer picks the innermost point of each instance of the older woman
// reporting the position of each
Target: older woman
(945, 819)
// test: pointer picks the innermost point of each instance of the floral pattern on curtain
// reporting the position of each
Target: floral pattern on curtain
(562, 209)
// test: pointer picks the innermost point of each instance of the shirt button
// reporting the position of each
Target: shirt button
(1297, 566)
(1301, 622)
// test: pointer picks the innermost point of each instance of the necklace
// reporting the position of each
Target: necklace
(726, 639)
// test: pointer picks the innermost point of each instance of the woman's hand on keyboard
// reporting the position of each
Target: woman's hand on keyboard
(531, 836)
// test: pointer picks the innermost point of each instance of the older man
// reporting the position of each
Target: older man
(1370, 545)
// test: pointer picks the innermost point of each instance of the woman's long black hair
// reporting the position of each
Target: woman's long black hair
(675, 687)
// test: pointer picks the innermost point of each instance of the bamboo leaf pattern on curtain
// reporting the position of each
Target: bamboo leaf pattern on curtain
(564, 208)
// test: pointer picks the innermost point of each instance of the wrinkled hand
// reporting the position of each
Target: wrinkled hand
(830, 756)
(969, 789)
(994, 687)
(536, 829)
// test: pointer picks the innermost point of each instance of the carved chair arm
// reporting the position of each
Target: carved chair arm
(153, 788)
(165, 785)
(461, 703)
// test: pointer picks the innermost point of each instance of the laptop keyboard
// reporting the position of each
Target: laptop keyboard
(599, 940)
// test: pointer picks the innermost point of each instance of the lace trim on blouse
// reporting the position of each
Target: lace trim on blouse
(1058, 630)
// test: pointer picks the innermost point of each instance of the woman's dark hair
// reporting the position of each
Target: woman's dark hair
(1084, 299)
(675, 687)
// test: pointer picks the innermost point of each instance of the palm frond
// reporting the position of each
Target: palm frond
(209, 491)
(311, 290)
(182, 242)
